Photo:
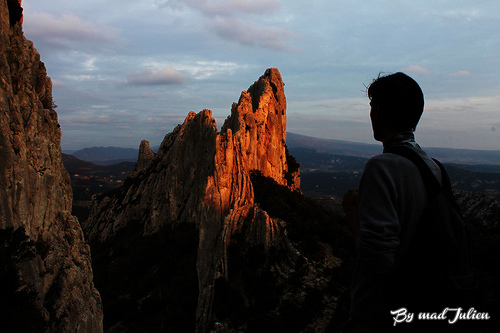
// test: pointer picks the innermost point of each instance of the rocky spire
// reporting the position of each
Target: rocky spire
(200, 167)
(258, 125)
(146, 155)
(36, 196)
(202, 177)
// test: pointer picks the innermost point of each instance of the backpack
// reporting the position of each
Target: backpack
(436, 270)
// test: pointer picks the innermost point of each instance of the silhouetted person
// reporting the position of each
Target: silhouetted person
(385, 214)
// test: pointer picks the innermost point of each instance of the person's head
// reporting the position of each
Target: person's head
(397, 102)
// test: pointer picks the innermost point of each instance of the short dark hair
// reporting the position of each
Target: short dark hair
(400, 99)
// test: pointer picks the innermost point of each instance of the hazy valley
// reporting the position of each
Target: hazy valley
(328, 168)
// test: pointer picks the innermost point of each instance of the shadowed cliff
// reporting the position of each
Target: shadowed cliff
(216, 221)
(46, 278)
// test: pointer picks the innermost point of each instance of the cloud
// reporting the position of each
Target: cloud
(417, 69)
(147, 76)
(163, 119)
(92, 120)
(240, 21)
(147, 95)
(224, 7)
(67, 28)
(200, 69)
(84, 77)
(461, 73)
(463, 15)
(246, 33)
(253, 6)
(56, 83)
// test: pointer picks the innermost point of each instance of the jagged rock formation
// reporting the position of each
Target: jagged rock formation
(201, 169)
(54, 270)
(145, 156)
(201, 185)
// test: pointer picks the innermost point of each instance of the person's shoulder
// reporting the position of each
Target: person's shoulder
(389, 161)
(387, 158)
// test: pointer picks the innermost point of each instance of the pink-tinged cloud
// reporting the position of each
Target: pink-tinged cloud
(461, 73)
(417, 69)
(224, 17)
(67, 27)
(254, 6)
(244, 32)
(147, 76)
(56, 83)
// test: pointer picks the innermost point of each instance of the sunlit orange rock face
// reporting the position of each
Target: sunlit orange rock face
(252, 138)
(201, 176)
(206, 169)
(258, 126)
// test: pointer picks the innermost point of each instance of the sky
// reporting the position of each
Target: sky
(124, 70)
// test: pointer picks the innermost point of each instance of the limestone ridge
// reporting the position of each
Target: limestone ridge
(203, 177)
(197, 168)
(36, 194)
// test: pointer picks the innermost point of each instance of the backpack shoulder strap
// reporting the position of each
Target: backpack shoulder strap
(445, 179)
(425, 171)
(428, 176)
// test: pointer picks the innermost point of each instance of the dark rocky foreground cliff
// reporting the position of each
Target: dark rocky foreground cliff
(46, 276)
(212, 232)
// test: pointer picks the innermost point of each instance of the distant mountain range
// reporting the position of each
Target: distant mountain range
(326, 176)
(328, 168)
(487, 159)
(107, 155)
(445, 155)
